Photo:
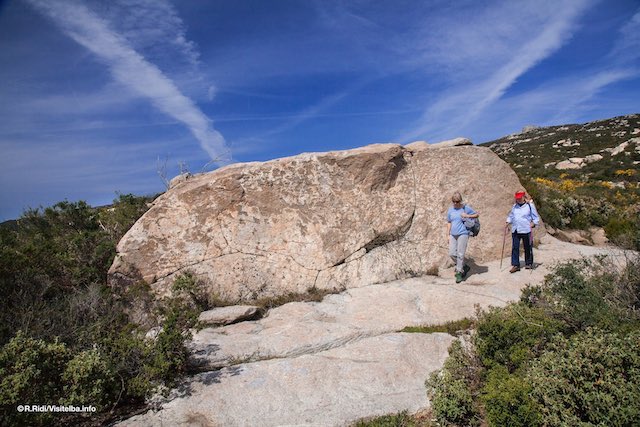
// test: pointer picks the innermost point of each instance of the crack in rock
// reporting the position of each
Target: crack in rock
(378, 241)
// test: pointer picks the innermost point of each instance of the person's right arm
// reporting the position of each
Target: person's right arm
(509, 218)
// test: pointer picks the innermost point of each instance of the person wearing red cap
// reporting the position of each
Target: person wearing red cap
(522, 218)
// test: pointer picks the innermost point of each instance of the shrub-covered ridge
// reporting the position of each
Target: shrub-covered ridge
(603, 187)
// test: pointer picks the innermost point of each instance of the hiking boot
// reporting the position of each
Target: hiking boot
(514, 269)
(529, 266)
(465, 270)
(458, 277)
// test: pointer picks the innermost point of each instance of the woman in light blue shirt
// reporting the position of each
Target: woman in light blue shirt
(458, 234)
(523, 218)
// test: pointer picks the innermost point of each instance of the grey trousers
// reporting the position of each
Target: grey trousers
(457, 249)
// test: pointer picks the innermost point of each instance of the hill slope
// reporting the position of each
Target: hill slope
(581, 175)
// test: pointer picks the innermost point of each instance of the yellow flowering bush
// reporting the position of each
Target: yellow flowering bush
(545, 182)
(565, 185)
(569, 185)
(606, 184)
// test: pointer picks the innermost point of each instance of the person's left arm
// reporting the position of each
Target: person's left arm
(535, 218)
(469, 213)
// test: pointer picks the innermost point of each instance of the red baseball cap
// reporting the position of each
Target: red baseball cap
(520, 194)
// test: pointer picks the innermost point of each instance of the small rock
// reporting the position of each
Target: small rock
(227, 315)
(153, 333)
(573, 236)
(417, 146)
(593, 158)
(577, 160)
(452, 143)
(619, 149)
(567, 164)
(598, 236)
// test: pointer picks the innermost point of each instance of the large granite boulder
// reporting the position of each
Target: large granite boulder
(329, 221)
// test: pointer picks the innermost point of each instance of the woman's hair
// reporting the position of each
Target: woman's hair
(456, 197)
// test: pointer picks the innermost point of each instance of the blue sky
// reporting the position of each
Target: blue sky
(96, 95)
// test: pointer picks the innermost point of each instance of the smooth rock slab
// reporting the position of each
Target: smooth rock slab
(300, 328)
(374, 376)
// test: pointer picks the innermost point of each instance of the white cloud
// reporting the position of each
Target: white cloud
(565, 100)
(627, 47)
(211, 92)
(463, 103)
(131, 69)
(152, 27)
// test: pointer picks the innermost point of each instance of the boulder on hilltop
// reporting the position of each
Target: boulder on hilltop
(328, 221)
(456, 142)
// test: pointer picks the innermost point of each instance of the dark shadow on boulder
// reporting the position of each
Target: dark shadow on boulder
(197, 361)
(186, 388)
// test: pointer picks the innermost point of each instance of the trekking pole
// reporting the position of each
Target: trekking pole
(504, 238)
(531, 270)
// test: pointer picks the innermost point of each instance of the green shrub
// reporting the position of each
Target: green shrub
(118, 218)
(584, 293)
(88, 379)
(170, 353)
(128, 355)
(451, 389)
(513, 335)
(52, 253)
(507, 400)
(592, 378)
(191, 291)
(77, 345)
(30, 372)
(624, 232)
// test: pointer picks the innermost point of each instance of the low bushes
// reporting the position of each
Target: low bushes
(589, 203)
(512, 335)
(120, 366)
(30, 374)
(590, 378)
(567, 354)
(506, 397)
(453, 390)
(65, 338)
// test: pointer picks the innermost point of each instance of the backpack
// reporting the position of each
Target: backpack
(472, 225)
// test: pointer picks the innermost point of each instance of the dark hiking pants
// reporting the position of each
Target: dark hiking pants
(515, 248)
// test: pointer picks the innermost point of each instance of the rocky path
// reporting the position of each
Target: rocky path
(330, 363)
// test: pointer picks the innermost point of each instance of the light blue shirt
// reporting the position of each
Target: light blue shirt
(521, 217)
(453, 216)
